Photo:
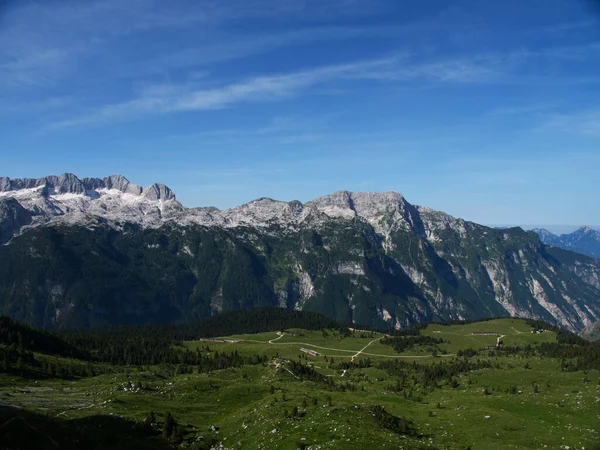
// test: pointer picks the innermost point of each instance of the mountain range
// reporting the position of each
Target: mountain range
(97, 251)
(584, 240)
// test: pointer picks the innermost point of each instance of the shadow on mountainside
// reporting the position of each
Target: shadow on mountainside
(25, 430)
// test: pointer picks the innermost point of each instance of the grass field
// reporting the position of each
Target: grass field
(519, 402)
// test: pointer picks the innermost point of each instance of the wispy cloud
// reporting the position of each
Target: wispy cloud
(518, 110)
(566, 27)
(70, 30)
(266, 88)
(579, 122)
(223, 47)
(37, 106)
(262, 88)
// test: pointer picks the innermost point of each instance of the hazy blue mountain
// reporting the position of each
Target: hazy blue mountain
(585, 240)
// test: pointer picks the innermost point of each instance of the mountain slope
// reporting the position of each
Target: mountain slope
(103, 251)
(584, 240)
(591, 332)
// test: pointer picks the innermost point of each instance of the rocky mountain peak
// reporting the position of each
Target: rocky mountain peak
(585, 230)
(69, 183)
(120, 183)
(363, 204)
(157, 191)
(66, 198)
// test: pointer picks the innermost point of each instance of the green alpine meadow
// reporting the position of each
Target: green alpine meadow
(270, 378)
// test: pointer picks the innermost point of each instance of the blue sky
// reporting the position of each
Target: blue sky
(488, 110)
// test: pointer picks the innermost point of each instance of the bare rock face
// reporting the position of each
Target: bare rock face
(8, 184)
(120, 183)
(93, 184)
(12, 218)
(67, 184)
(157, 192)
(384, 211)
(4, 184)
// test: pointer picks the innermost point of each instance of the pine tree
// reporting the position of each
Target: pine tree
(150, 419)
(168, 426)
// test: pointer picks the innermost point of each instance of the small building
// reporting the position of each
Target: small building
(310, 352)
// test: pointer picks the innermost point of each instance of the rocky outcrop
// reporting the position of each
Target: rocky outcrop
(66, 183)
(157, 192)
(12, 218)
(120, 183)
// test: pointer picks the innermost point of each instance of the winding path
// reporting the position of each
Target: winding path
(276, 339)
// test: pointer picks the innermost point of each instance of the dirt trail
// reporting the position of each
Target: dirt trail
(362, 349)
(499, 339)
(276, 339)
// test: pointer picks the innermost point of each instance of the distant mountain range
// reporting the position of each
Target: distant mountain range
(585, 240)
(96, 251)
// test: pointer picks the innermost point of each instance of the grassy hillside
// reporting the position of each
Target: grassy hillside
(435, 386)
